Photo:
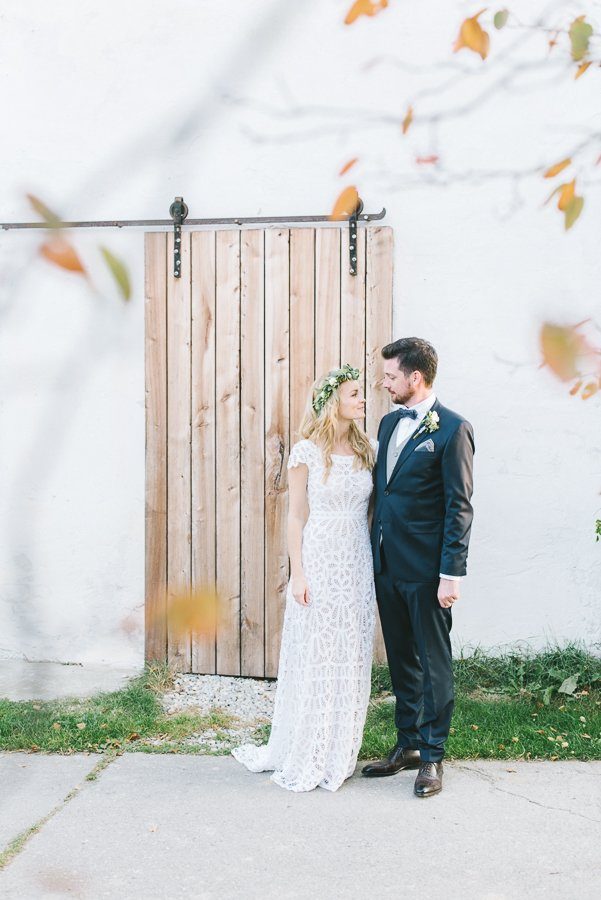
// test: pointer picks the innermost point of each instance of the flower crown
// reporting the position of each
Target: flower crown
(346, 373)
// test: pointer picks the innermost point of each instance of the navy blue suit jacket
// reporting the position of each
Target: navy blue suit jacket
(424, 511)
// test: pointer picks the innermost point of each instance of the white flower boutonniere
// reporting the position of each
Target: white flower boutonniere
(430, 424)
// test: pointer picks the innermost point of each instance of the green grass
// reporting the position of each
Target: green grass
(16, 845)
(516, 705)
(159, 677)
(505, 729)
(516, 674)
(122, 720)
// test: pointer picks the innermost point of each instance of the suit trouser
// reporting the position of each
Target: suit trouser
(416, 634)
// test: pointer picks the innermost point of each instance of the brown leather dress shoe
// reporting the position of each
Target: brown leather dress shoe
(398, 759)
(429, 779)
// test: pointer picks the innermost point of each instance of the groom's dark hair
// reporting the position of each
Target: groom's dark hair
(414, 354)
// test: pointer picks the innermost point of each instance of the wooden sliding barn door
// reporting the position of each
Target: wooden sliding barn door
(232, 348)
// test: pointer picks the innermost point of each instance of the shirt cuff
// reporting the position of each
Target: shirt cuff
(451, 577)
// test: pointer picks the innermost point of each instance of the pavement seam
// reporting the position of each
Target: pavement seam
(485, 776)
(17, 845)
(544, 805)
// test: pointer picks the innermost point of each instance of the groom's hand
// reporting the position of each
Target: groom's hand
(448, 592)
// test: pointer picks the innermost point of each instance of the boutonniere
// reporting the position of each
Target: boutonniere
(429, 424)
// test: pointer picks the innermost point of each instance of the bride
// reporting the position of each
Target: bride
(324, 672)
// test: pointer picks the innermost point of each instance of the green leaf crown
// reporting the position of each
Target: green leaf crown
(334, 378)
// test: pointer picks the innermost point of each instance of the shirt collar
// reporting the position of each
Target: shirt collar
(423, 407)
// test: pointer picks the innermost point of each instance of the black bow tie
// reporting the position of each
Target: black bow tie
(407, 413)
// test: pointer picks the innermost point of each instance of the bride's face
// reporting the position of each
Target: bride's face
(351, 400)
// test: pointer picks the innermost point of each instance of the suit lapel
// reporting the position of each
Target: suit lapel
(410, 446)
(383, 448)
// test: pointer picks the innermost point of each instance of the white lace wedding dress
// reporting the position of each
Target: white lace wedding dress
(325, 661)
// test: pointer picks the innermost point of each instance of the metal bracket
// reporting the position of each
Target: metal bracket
(178, 212)
(352, 244)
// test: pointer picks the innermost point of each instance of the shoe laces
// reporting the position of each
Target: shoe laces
(428, 769)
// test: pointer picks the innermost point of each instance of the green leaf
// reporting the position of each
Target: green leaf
(580, 34)
(556, 674)
(119, 272)
(50, 218)
(500, 18)
(572, 211)
(547, 695)
(569, 685)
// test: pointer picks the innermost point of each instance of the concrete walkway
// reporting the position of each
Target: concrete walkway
(152, 826)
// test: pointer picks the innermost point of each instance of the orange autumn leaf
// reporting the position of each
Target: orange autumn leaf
(348, 165)
(188, 611)
(427, 160)
(472, 36)
(364, 8)
(566, 194)
(61, 253)
(574, 390)
(581, 70)
(407, 120)
(346, 203)
(557, 168)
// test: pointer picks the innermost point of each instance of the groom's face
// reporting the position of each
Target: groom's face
(401, 387)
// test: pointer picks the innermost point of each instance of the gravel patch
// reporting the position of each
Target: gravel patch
(248, 701)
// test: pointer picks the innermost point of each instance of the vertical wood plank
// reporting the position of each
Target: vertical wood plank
(178, 451)
(155, 366)
(252, 448)
(327, 300)
(378, 331)
(302, 323)
(203, 434)
(378, 320)
(352, 303)
(276, 438)
(227, 468)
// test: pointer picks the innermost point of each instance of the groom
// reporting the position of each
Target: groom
(420, 535)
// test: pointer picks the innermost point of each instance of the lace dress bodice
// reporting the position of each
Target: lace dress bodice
(346, 491)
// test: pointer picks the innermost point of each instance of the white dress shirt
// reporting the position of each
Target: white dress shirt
(407, 426)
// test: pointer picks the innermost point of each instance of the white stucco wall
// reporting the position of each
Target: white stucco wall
(109, 111)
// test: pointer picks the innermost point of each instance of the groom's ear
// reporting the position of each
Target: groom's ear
(421, 378)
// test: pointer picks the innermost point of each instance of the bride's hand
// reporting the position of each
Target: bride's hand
(300, 591)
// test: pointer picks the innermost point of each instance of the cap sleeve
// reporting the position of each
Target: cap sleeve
(300, 453)
(374, 444)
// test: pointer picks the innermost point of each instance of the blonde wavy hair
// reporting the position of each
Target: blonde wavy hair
(320, 427)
